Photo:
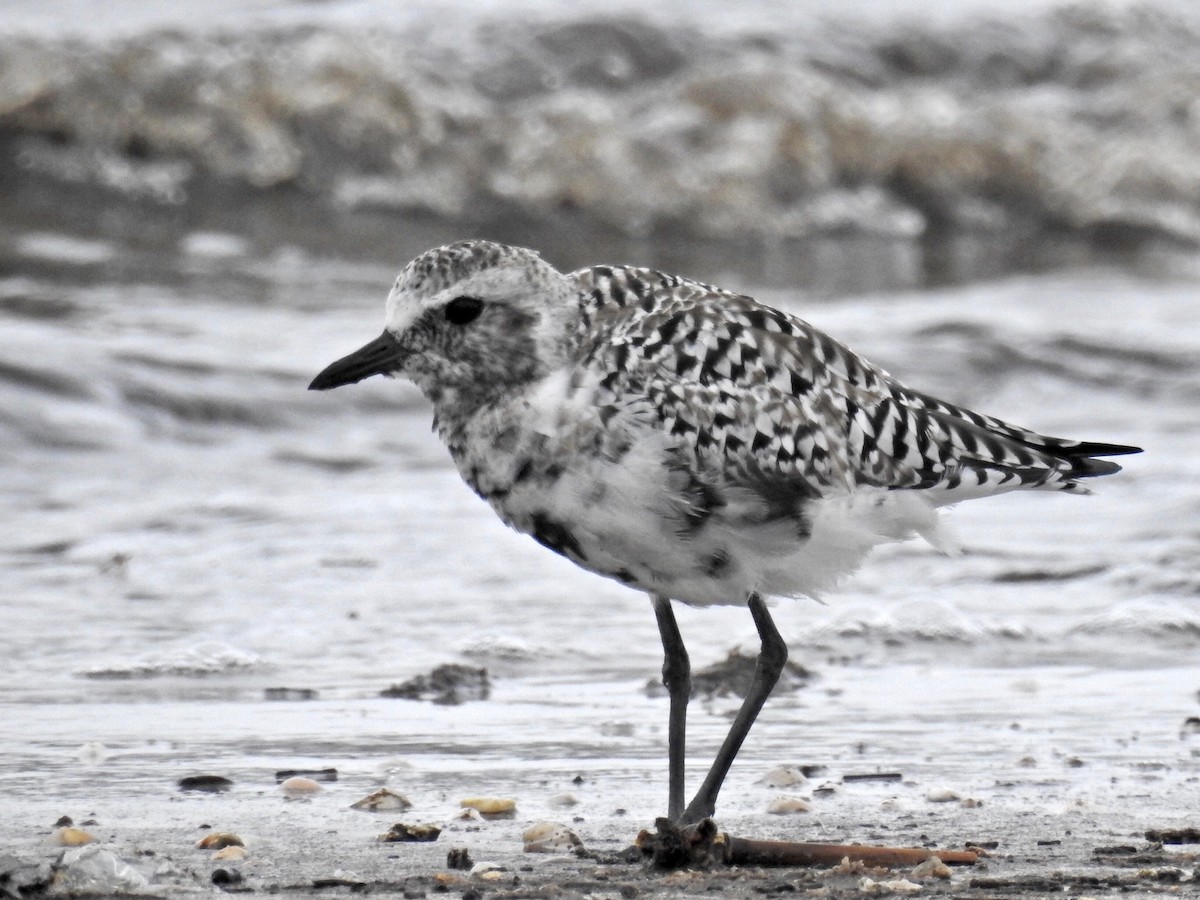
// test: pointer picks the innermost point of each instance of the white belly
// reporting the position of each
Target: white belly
(625, 521)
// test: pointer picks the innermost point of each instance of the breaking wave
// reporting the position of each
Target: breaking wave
(1082, 119)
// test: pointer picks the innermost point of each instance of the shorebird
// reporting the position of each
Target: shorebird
(686, 441)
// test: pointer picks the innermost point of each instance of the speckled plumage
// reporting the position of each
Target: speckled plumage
(685, 440)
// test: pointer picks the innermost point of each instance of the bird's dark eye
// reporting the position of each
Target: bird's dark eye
(463, 310)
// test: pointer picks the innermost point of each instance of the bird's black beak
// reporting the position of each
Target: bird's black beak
(380, 357)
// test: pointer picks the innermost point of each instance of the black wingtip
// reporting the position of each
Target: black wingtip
(1095, 448)
(1084, 456)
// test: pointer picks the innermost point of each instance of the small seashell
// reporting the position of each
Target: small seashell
(563, 801)
(329, 774)
(299, 785)
(943, 795)
(491, 807)
(230, 853)
(892, 804)
(849, 867)
(468, 815)
(383, 800)
(550, 837)
(971, 803)
(72, 837)
(930, 868)
(487, 871)
(783, 776)
(219, 840)
(787, 806)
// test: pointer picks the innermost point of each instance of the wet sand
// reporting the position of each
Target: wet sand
(1072, 815)
(1028, 856)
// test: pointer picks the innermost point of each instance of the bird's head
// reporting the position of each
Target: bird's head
(466, 322)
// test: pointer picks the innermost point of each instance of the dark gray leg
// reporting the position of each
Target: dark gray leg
(677, 676)
(771, 659)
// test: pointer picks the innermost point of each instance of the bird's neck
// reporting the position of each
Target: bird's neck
(458, 410)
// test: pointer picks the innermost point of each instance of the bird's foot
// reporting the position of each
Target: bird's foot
(678, 846)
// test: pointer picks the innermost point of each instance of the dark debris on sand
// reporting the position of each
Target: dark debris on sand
(731, 678)
(1148, 871)
(447, 685)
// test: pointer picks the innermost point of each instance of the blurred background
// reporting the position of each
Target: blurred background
(882, 145)
(204, 202)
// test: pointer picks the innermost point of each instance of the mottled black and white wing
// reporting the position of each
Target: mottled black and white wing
(760, 398)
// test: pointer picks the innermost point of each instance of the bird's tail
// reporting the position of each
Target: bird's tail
(985, 455)
(1086, 457)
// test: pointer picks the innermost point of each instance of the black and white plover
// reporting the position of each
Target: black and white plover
(686, 441)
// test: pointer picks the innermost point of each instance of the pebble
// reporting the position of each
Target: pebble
(231, 853)
(783, 776)
(899, 886)
(788, 806)
(402, 833)
(943, 795)
(491, 807)
(93, 753)
(219, 840)
(1174, 835)
(550, 837)
(298, 785)
(447, 685)
(563, 801)
(226, 876)
(383, 800)
(72, 837)
(209, 784)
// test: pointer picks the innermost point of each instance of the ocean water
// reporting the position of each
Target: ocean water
(185, 526)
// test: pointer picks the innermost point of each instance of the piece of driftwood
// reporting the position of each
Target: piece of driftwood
(703, 846)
